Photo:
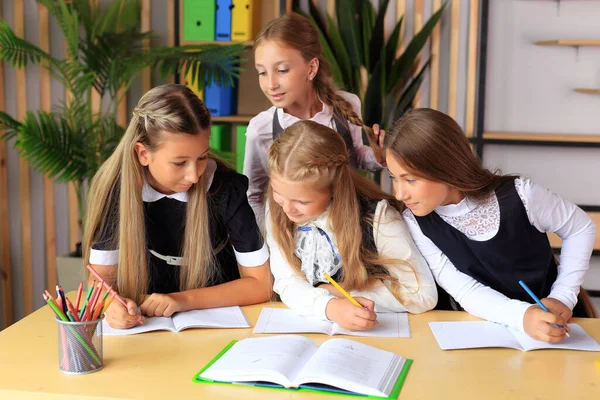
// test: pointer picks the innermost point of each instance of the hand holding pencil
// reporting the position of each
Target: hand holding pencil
(547, 323)
(351, 313)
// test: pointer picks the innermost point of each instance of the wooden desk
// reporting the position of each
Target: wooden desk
(160, 365)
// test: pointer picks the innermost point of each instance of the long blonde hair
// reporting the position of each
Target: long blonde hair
(162, 111)
(310, 152)
(297, 32)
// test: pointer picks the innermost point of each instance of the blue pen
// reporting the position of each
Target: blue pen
(539, 303)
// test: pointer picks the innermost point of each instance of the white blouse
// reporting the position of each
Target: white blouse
(392, 240)
(259, 137)
(480, 221)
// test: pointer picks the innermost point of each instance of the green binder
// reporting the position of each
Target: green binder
(240, 146)
(199, 20)
(220, 137)
(393, 395)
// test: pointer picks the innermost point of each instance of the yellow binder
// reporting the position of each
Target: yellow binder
(242, 19)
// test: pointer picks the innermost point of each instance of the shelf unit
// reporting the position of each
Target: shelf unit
(587, 90)
(569, 42)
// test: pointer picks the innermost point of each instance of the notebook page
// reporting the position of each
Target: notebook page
(150, 324)
(353, 366)
(285, 320)
(390, 325)
(579, 340)
(223, 317)
(472, 335)
(271, 359)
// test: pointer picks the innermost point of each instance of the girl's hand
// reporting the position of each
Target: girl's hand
(351, 317)
(379, 134)
(161, 305)
(536, 323)
(119, 317)
(557, 307)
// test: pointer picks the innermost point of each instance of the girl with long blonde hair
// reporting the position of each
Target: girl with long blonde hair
(297, 79)
(482, 232)
(324, 218)
(168, 224)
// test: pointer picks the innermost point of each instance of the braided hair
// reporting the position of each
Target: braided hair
(311, 153)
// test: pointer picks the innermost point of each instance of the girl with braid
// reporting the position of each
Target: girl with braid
(168, 224)
(322, 217)
(296, 78)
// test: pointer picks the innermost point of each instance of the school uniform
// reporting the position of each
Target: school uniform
(316, 247)
(479, 250)
(232, 228)
(268, 125)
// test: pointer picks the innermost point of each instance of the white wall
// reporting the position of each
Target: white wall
(530, 89)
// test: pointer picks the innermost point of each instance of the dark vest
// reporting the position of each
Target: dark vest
(518, 251)
(341, 127)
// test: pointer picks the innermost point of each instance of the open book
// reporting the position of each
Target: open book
(224, 317)
(477, 334)
(339, 365)
(284, 320)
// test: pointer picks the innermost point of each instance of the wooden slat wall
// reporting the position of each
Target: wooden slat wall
(24, 179)
(5, 262)
(434, 72)
(45, 103)
(400, 12)
(454, 47)
(145, 27)
(171, 28)
(417, 26)
(472, 67)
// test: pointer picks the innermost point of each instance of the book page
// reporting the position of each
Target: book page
(285, 320)
(353, 366)
(472, 335)
(579, 340)
(390, 325)
(150, 324)
(223, 317)
(272, 359)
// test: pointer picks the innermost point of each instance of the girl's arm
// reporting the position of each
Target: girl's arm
(255, 167)
(476, 298)
(294, 289)
(417, 286)
(548, 212)
(364, 154)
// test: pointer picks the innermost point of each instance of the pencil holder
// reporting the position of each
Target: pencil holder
(80, 346)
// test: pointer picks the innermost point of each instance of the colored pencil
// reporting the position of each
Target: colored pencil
(107, 286)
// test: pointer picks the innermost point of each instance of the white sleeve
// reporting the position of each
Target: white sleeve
(293, 288)
(476, 298)
(393, 241)
(255, 168)
(548, 212)
(364, 154)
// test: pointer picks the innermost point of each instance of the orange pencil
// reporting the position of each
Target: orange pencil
(78, 296)
(107, 304)
(107, 286)
(97, 310)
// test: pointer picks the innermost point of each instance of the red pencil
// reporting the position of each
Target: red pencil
(107, 286)
(73, 310)
(78, 296)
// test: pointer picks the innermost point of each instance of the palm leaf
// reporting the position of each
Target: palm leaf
(339, 55)
(367, 22)
(392, 45)
(316, 18)
(372, 105)
(376, 42)
(349, 30)
(67, 17)
(409, 94)
(9, 125)
(401, 69)
(19, 52)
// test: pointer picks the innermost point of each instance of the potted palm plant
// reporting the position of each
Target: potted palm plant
(105, 54)
(368, 66)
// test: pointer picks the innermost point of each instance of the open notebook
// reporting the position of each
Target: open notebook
(478, 334)
(224, 317)
(284, 320)
(296, 362)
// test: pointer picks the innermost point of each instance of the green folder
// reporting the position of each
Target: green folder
(240, 146)
(340, 392)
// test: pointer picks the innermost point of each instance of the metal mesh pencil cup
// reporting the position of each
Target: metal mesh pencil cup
(80, 346)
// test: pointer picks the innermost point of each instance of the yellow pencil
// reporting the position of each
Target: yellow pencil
(342, 291)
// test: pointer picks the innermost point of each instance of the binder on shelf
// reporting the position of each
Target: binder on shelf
(199, 20)
(223, 30)
(220, 101)
(220, 137)
(197, 87)
(242, 19)
(240, 146)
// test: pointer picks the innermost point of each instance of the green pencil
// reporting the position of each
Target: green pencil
(87, 297)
